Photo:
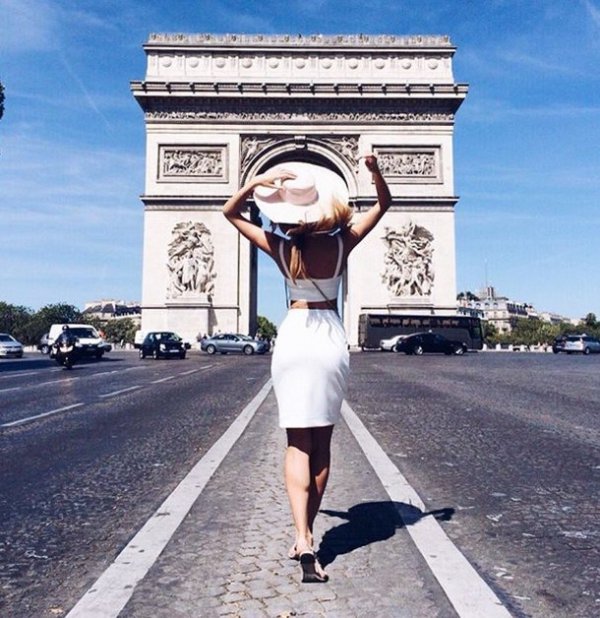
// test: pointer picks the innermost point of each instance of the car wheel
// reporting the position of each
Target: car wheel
(248, 350)
(155, 355)
(459, 351)
(210, 349)
(45, 349)
(142, 354)
(182, 355)
(418, 350)
(99, 355)
(555, 351)
(586, 351)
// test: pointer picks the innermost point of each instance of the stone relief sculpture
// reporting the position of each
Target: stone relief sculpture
(191, 261)
(408, 261)
(251, 145)
(408, 164)
(197, 162)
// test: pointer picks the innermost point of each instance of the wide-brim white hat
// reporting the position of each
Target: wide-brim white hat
(307, 198)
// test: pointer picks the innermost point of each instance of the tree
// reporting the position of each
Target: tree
(122, 330)
(467, 296)
(266, 328)
(13, 318)
(590, 320)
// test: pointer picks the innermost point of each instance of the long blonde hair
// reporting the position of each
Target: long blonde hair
(340, 217)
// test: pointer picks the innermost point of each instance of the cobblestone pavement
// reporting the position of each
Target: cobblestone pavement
(228, 557)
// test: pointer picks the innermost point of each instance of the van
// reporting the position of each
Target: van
(89, 341)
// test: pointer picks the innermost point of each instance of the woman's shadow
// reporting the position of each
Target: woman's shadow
(370, 522)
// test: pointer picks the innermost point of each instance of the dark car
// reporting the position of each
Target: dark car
(233, 342)
(558, 345)
(420, 343)
(44, 346)
(163, 344)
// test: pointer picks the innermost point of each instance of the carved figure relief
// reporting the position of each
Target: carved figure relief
(408, 261)
(251, 145)
(410, 164)
(191, 262)
(179, 163)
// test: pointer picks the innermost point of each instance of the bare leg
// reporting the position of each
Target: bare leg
(298, 482)
(307, 463)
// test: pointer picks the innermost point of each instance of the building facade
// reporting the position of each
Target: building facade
(219, 109)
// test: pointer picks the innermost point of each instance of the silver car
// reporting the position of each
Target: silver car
(390, 344)
(583, 344)
(230, 342)
(10, 347)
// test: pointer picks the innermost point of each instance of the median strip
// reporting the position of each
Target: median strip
(113, 589)
(465, 589)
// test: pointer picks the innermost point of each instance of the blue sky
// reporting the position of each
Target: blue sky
(527, 156)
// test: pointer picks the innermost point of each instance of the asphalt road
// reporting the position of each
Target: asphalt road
(509, 442)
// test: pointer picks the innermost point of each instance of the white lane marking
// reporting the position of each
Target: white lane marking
(163, 379)
(123, 390)
(63, 380)
(12, 388)
(29, 419)
(112, 590)
(18, 374)
(468, 593)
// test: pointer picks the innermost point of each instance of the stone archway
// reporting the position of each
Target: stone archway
(218, 109)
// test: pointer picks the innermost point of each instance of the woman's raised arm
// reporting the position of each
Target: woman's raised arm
(384, 198)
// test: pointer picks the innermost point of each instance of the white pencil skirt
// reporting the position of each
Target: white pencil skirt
(310, 367)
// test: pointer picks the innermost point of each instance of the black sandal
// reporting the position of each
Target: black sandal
(308, 562)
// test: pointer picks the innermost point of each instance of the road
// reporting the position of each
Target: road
(510, 443)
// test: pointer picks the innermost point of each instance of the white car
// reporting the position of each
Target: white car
(10, 347)
(389, 344)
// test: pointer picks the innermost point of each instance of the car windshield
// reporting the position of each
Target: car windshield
(86, 333)
(167, 337)
(6, 338)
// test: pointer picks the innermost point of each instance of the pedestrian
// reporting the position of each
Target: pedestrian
(313, 232)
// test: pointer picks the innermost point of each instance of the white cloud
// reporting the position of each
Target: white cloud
(27, 25)
(593, 11)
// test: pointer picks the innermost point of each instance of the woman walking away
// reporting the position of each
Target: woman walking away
(309, 205)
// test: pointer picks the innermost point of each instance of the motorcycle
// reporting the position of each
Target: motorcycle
(65, 351)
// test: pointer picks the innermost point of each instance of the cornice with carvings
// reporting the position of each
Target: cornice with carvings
(409, 111)
(334, 41)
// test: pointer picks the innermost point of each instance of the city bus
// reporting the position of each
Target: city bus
(372, 327)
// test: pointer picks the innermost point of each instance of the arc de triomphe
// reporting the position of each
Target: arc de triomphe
(220, 108)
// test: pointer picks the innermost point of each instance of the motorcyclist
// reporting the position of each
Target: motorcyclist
(64, 347)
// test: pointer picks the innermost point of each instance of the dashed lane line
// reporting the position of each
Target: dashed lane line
(30, 419)
(468, 593)
(113, 589)
(135, 387)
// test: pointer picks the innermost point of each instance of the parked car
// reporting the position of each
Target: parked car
(10, 347)
(44, 346)
(390, 343)
(230, 342)
(582, 344)
(419, 343)
(163, 344)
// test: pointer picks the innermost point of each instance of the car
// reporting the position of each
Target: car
(582, 344)
(558, 345)
(163, 344)
(10, 347)
(89, 342)
(389, 344)
(419, 343)
(44, 346)
(234, 342)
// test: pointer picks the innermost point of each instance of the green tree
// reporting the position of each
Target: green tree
(590, 320)
(41, 321)
(122, 330)
(467, 296)
(13, 318)
(266, 328)
(490, 333)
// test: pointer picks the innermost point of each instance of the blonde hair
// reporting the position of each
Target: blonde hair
(340, 217)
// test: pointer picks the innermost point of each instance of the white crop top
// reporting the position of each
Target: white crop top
(305, 289)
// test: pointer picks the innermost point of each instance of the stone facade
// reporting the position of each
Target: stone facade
(219, 109)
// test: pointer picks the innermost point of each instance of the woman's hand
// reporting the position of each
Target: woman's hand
(371, 163)
(272, 179)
